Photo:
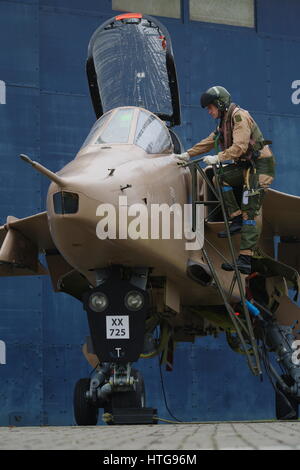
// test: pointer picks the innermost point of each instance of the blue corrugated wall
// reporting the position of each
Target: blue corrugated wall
(47, 115)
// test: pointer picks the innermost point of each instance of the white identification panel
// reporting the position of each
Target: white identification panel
(117, 327)
(245, 197)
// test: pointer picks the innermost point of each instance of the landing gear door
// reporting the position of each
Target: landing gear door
(117, 316)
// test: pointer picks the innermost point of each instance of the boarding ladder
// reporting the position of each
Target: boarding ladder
(242, 326)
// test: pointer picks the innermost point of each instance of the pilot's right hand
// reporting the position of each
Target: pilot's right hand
(182, 157)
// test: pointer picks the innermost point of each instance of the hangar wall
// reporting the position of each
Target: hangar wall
(45, 112)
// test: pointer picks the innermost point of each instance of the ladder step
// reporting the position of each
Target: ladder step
(207, 203)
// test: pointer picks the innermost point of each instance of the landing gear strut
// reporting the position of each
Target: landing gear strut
(280, 339)
(286, 406)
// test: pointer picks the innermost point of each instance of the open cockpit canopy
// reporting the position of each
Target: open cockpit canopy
(130, 63)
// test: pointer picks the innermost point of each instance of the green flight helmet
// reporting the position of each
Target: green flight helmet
(218, 96)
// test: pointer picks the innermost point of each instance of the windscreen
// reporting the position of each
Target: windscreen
(130, 64)
(118, 128)
(96, 127)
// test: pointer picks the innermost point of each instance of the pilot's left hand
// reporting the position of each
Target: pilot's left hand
(211, 159)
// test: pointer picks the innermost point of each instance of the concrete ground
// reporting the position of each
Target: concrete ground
(229, 435)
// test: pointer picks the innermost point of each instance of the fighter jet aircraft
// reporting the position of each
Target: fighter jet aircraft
(110, 241)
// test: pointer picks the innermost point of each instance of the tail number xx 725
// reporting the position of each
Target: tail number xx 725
(117, 327)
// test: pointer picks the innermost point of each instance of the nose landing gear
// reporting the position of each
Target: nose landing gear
(121, 394)
(117, 309)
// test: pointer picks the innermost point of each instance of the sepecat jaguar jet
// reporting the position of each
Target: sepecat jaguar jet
(132, 235)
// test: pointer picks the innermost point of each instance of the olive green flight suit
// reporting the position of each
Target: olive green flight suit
(244, 131)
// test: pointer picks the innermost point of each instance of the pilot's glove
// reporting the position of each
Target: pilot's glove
(211, 159)
(183, 157)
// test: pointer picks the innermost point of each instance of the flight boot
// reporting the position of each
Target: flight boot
(243, 263)
(234, 228)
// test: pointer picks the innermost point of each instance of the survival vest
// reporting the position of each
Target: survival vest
(223, 136)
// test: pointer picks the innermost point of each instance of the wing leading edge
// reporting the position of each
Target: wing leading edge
(21, 241)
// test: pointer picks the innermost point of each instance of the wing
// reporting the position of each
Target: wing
(282, 213)
(281, 216)
(21, 241)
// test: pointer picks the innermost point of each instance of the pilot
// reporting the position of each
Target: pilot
(238, 141)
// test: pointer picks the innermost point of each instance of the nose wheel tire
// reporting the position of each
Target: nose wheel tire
(85, 413)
